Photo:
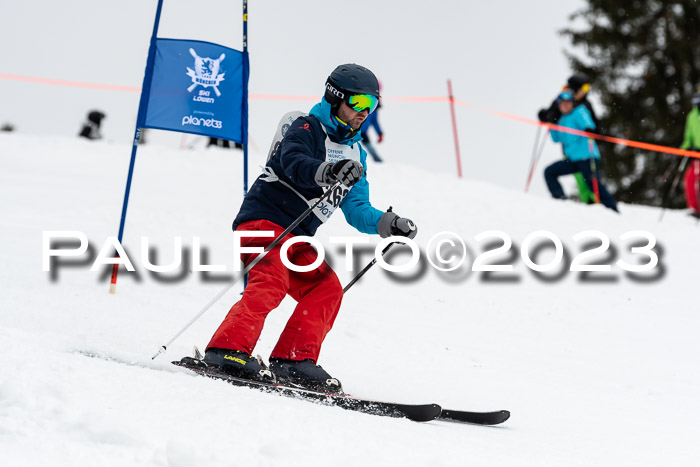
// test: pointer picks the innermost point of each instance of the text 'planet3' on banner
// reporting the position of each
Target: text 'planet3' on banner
(198, 87)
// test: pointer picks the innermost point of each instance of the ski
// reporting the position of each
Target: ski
(477, 418)
(417, 413)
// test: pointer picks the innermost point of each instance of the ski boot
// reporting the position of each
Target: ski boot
(304, 374)
(238, 363)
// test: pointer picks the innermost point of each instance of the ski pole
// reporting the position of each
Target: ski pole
(676, 179)
(536, 154)
(366, 268)
(371, 263)
(671, 168)
(245, 271)
(594, 172)
(192, 143)
(532, 158)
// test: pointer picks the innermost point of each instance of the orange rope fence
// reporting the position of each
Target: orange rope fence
(284, 97)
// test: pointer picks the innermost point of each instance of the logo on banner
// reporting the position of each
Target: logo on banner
(206, 72)
(198, 121)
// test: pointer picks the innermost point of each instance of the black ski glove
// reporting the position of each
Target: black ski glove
(550, 115)
(391, 224)
(346, 171)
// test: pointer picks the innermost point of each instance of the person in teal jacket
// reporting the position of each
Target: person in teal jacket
(581, 153)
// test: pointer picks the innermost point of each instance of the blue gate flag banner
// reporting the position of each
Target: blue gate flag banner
(198, 87)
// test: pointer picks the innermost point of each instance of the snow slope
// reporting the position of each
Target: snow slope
(596, 370)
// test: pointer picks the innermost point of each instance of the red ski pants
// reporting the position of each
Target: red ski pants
(692, 186)
(317, 292)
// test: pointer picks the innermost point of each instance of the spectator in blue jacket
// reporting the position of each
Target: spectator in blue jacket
(581, 152)
(316, 152)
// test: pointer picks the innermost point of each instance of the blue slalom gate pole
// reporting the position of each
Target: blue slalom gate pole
(244, 120)
(140, 120)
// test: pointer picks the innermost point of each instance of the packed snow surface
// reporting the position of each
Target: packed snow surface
(597, 368)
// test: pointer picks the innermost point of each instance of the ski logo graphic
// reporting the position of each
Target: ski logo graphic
(235, 359)
(334, 91)
(198, 121)
(206, 72)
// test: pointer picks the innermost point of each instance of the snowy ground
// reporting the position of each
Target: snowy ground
(596, 370)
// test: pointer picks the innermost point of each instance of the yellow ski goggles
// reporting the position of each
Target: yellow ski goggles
(360, 102)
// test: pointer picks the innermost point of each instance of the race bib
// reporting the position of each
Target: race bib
(332, 198)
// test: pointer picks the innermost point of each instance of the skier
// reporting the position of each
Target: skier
(581, 153)
(691, 141)
(579, 85)
(317, 151)
(372, 121)
(91, 127)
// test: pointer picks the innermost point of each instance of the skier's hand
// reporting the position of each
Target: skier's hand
(542, 115)
(380, 137)
(403, 227)
(391, 224)
(346, 171)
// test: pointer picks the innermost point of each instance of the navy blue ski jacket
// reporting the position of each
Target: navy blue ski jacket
(296, 161)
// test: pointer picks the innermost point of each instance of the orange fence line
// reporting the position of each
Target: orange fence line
(416, 99)
(627, 142)
(609, 139)
(74, 84)
(284, 97)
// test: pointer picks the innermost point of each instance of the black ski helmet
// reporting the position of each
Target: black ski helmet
(349, 79)
(577, 80)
